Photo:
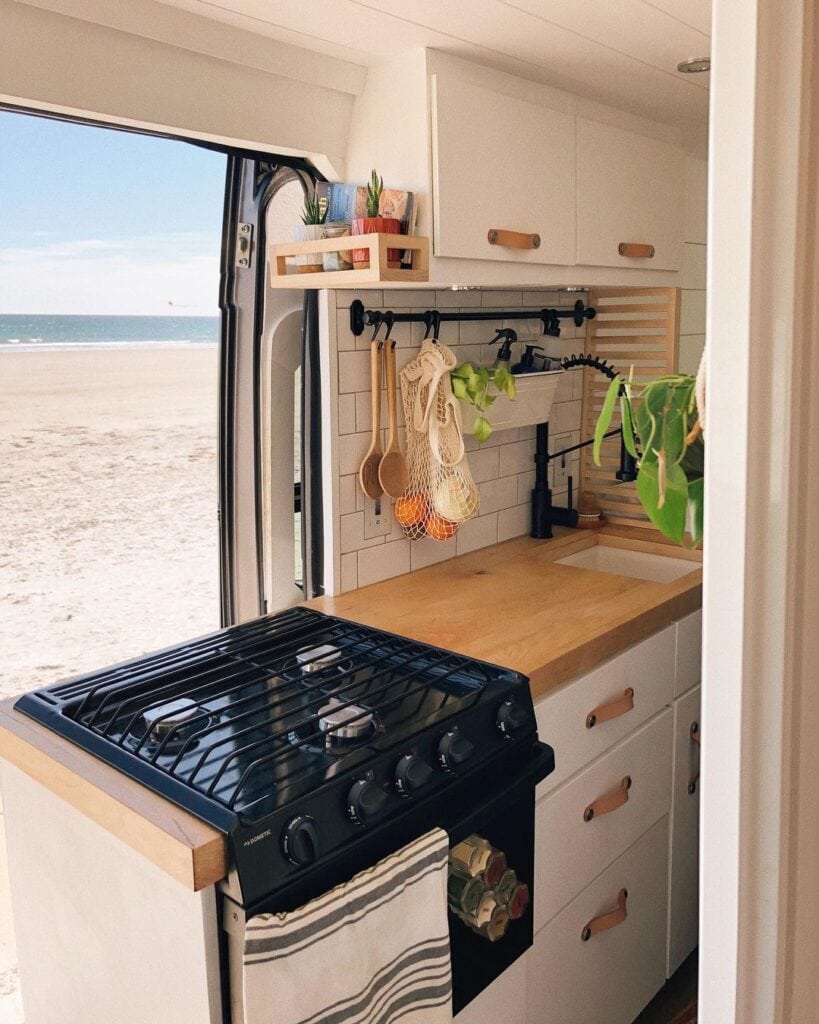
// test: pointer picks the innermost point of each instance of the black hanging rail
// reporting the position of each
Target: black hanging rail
(360, 318)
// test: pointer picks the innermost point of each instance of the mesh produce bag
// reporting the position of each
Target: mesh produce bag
(441, 493)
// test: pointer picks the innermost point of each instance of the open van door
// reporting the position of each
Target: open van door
(270, 500)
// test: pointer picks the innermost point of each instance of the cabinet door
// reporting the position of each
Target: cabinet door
(612, 976)
(573, 847)
(689, 653)
(629, 189)
(683, 914)
(647, 669)
(504, 163)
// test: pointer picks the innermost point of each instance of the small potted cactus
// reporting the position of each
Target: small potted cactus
(373, 223)
(311, 229)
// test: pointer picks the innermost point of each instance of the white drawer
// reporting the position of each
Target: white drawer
(612, 976)
(689, 653)
(647, 668)
(570, 851)
(683, 913)
(504, 1000)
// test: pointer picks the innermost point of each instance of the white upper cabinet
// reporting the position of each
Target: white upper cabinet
(630, 189)
(502, 163)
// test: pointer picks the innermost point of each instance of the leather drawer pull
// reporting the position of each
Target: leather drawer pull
(608, 711)
(638, 250)
(609, 920)
(512, 239)
(609, 801)
(694, 733)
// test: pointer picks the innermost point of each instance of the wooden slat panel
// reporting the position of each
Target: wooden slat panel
(654, 310)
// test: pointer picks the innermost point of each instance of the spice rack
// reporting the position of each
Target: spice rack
(283, 276)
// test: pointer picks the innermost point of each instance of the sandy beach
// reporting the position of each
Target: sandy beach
(108, 544)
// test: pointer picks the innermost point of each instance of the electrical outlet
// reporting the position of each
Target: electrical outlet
(377, 517)
(560, 468)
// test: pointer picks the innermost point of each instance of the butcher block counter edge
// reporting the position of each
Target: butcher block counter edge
(192, 852)
(510, 605)
(196, 855)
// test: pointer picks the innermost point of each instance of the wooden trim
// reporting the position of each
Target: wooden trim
(177, 842)
(377, 246)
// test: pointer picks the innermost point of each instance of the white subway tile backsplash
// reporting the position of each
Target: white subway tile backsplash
(484, 464)
(497, 298)
(396, 298)
(347, 487)
(526, 482)
(373, 298)
(516, 458)
(454, 298)
(513, 522)
(565, 416)
(351, 450)
(353, 371)
(497, 494)
(428, 552)
(346, 414)
(349, 571)
(351, 534)
(477, 533)
(392, 559)
(345, 339)
(542, 298)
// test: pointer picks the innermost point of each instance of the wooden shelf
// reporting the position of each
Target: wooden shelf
(282, 276)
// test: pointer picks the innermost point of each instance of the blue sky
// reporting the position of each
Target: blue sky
(100, 221)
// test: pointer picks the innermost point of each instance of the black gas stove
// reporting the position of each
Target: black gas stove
(300, 734)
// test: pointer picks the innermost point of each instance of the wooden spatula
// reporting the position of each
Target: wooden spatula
(368, 473)
(392, 472)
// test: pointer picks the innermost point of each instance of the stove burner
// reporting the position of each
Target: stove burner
(345, 723)
(170, 726)
(316, 659)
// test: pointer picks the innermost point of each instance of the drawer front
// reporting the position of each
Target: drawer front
(613, 975)
(572, 846)
(647, 668)
(689, 653)
(683, 916)
(504, 1000)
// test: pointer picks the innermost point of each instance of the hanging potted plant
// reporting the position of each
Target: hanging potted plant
(373, 223)
(310, 230)
(662, 427)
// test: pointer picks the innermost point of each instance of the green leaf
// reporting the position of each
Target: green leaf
(488, 400)
(501, 377)
(482, 429)
(670, 517)
(459, 387)
(604, 420)
(465, 370)
(511, 387)
(628, 426)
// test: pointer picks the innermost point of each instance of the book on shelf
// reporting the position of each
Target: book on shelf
(344, 202)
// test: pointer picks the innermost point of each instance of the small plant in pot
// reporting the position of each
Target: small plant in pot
(373, 223)
(310, 230)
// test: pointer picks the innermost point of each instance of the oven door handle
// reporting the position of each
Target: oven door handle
(608, 920)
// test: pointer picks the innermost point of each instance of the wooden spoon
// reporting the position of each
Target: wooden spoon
(368, 473)
(392, 472)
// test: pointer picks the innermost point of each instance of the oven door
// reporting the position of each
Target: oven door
(501, 811)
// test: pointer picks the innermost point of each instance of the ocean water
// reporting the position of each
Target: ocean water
(20, 330)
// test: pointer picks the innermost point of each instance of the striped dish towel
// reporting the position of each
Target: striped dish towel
(372, 951)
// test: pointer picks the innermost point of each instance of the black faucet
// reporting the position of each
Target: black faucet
(545, 515)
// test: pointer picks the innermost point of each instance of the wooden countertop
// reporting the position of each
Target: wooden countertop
(508, 604)
(512, 605)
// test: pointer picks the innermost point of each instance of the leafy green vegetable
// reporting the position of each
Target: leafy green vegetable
(482, 429)
(604, 420)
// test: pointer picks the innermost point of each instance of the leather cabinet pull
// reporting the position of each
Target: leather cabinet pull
(605, 712)
(512, 239)
(609, 920)
(638, 250)
(609, 801)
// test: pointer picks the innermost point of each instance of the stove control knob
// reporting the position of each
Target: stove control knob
(454, 749)
(301, 840)
(366, 802)
(512, 719)
(412, 774)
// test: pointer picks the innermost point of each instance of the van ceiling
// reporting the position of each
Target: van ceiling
(623, 53)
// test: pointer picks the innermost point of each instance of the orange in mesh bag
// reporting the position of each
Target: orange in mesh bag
(441, 493)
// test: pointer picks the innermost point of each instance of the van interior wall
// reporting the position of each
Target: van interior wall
(75, 66)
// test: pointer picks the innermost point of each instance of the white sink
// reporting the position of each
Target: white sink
(623, 562)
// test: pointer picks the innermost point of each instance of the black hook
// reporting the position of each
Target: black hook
(389, 320)
(377, 320)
